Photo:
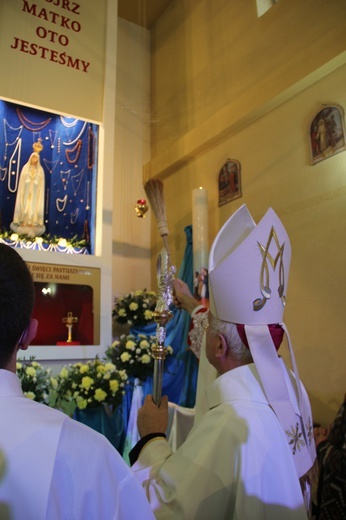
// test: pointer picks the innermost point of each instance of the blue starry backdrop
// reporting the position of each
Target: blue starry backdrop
(69, 161)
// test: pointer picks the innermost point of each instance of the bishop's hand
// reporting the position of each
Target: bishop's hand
(152, 418)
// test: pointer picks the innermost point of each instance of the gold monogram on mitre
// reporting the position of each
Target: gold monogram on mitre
(267, 259)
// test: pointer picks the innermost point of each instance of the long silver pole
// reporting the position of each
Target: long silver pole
(159, 352)
(157, 384)
(161, 316)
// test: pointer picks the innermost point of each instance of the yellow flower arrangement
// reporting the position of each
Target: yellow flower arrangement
(35, 380)
(91, 384)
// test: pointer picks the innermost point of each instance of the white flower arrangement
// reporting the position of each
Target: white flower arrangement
(35, 380)
(135, 308)
(45, 242)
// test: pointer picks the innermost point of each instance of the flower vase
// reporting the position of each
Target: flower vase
(132, 435)
(105, 421)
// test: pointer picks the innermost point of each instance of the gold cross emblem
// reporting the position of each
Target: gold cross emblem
(69, 320)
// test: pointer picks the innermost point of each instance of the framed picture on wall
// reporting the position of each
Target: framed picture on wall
(327, 133)
(229, 181)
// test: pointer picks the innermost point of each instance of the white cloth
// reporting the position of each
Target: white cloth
(180, 423)
(132, 434)
(206, 375)
(206, 372)
(59, 469)
(234, 464)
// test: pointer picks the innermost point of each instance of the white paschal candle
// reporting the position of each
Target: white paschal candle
(200, 246)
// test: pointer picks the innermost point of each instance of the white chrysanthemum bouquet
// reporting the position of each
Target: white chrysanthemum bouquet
(133, 354)
(35, 380)
(135, 308)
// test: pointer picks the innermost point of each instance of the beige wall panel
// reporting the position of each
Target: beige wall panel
(131, 235)
(54, 57)
(207, 55)
(311, 201)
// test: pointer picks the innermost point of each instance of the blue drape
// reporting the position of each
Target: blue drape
(110, 425)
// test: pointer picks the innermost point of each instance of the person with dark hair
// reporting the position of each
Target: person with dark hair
(52, 467)
(251, 451)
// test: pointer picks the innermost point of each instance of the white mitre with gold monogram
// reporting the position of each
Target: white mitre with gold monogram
(248, 273)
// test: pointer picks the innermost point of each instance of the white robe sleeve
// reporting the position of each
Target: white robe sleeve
(91, 481)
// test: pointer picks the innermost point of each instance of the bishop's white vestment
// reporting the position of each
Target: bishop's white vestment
(235, 463)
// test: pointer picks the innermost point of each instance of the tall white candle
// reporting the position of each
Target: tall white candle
(200, 246)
